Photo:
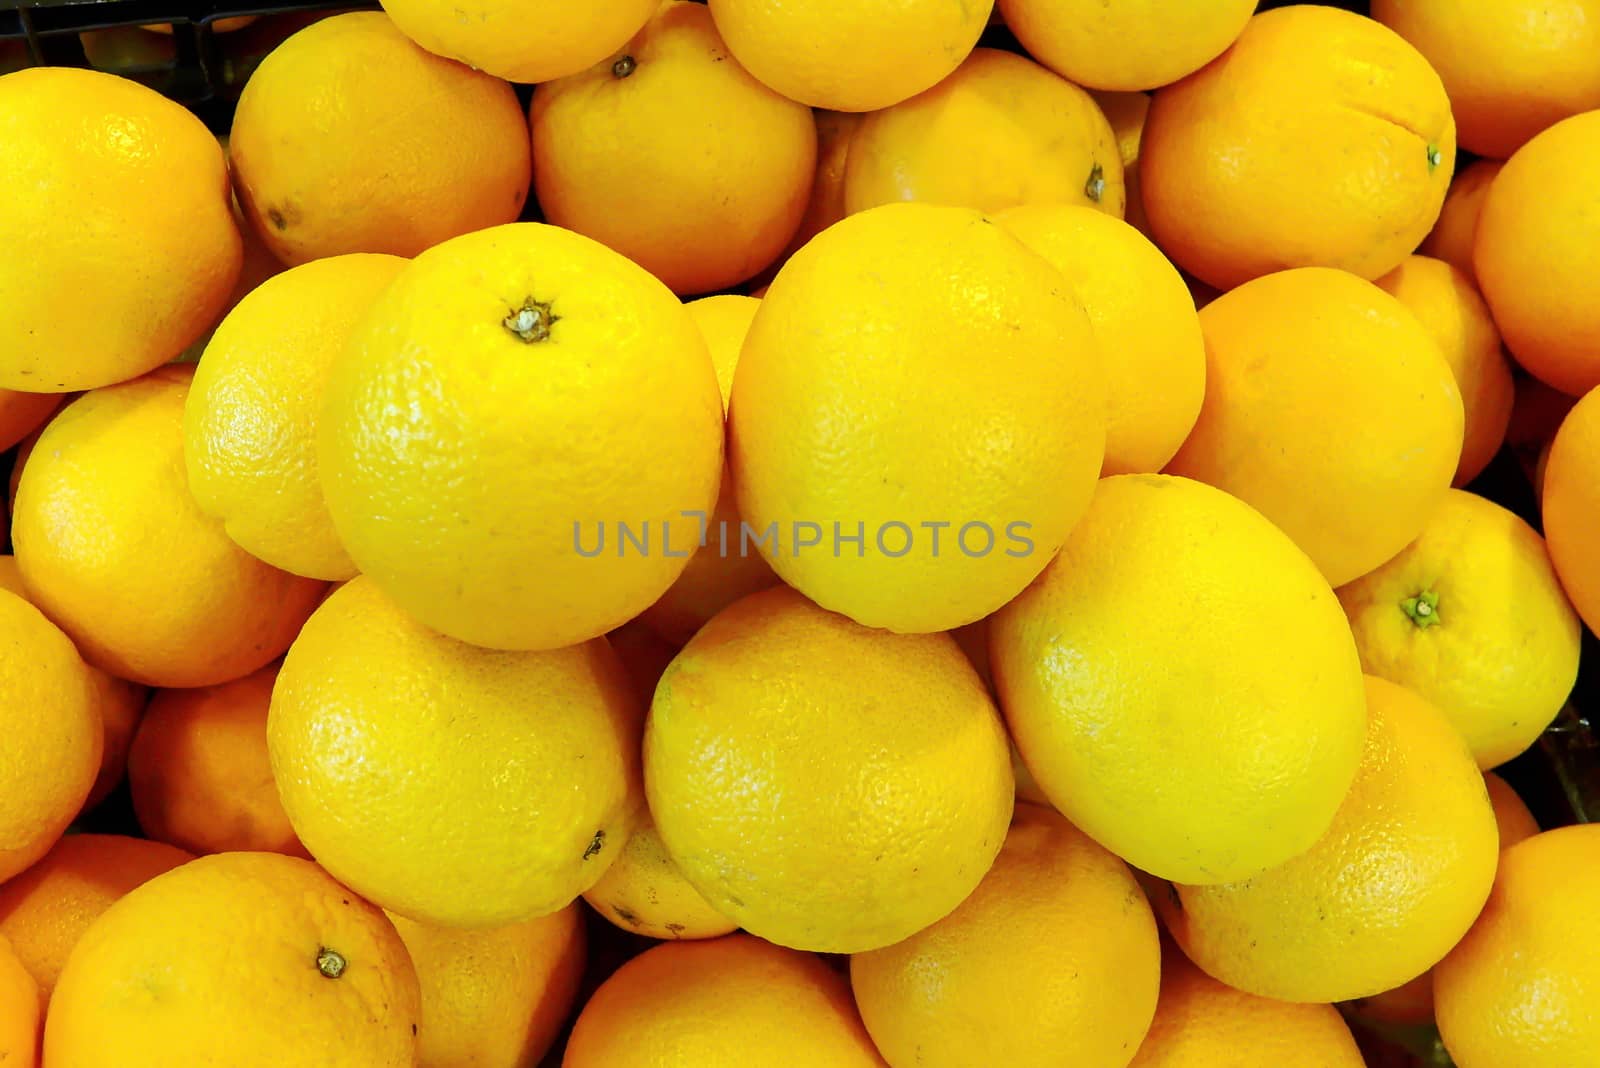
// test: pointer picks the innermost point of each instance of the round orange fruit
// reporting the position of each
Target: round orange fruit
(1571, 507)
(644, 892)
(1137, 45)
(1453, 236)
(1292, 150)
(519, 40)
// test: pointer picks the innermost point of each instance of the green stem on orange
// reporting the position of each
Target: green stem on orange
(330, 963)
(1423, 609)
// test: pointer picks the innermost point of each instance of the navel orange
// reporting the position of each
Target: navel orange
(1571, 507)
(1137, 45)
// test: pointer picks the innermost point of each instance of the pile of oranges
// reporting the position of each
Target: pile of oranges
(955, 526)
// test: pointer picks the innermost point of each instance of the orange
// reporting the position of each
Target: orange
(914, 457)
(1511, 814)
(120, 198)
(1319, 139)
(644, 892)
(1053, 959)
(199, 773)
(1137, 45)
(727, 1003)
(349, 138)
(1127, 113)
(114, 549)
(860, 56)
(401, 754)
(522, 40)
(1537, 254)
(1144, 321)
(1450, 308)
(19, 1011)
(50, 720)
(1108, 672)
(675, 156)
(494, 998)
(1456, 231)
(835, 131)
(250, 421)
(303, 971)
(1200, 1023)
(120, 704)
(1571, 504)
(46, 909)
(23, 413)
(795, 796)
(723, 568)
(1382, 896)
(1000, 131)
(517, 402)
(1472, 617)
(1520, 988)
(1511, 67)
(1304, 358)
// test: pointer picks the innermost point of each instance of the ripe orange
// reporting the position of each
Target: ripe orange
(1306, 357)
(519, 40)
(511, 396)
(494, 998)
(754, 754)
(723, 568)
(726, 1003)
(349, 138)
(998, 132)
(1053, 959)
(1144, 321)
(1512, 67)
(401, 754)
(120, 198)
(250, 421)
(1187, 770)
(19, 1011)
(1320, 138)
(1520, 988)
(1450, 308)
(860, 56)
(644, 892)
(948, 411)
(114, 549)
(674, 156)
(23, 413)
(199, 774)
(302, 971)
(46, 909)
(1571, 502)
(1471, 616)
(1538, 252)
(1456, 231)
(1137, 45)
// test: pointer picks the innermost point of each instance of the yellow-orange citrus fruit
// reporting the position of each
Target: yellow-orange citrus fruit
(1000, 131)
(1571, 507)
(1537, 254)
(1126, 45)
(860, 56)
(303, 971)
(643, 892)
(46, 909)
(1127, 113)
(1200, 1023)
(1319, 139)
(917, 419)
(675, 156)
(754, 755)
(1450, 308)
(1520, 988)
(199, 774)
(522, 40)
(1512, 67)
(494, 998)
(250, 421)
(19, 1011)
(1053, 959)
(114, 549)
(1382, 896)
(1456, 231)
(401, 754)
(1471, 616)
(1307, 357)
(722, 569)
(349, 138)
(23, 413)
(1108, 672)
(515, 399)
(1144, 321)
(725, 1003)
(119, 198)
